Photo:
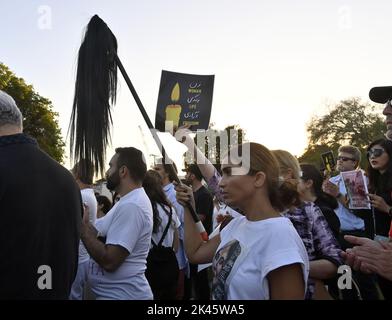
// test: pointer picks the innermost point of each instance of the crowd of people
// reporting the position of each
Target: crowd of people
(279, 229)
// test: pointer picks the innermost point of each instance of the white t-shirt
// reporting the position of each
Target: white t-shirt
(180, 254)
(175, 223)
(248, 251)
(88, 198)
(129, 225)
(223, 210)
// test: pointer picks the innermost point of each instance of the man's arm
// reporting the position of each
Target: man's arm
(205, 165)
(109, 257)
(369, 256)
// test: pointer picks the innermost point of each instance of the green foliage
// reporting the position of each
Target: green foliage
(350, 122)
(39, 119)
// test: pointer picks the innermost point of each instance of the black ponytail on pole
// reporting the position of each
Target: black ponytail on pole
(95, 92)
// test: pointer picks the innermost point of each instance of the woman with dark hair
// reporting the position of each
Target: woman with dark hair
(310, 189)
(379, 171)
(104, 205)
(163, 214)
(256, 255)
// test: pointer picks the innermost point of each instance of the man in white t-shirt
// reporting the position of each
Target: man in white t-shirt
(118, 261)
(84, 180)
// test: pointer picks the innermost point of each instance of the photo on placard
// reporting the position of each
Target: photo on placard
(356, 187)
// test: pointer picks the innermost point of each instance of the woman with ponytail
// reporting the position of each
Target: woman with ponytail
(321, 245)
(163, 214)
(258, 254)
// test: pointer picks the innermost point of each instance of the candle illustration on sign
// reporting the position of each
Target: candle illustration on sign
(173, 111)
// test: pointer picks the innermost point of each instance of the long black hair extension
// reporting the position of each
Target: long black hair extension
(95, 92)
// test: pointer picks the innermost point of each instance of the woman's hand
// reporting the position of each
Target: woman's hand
(379, 203)
(184, 194)
(330, 188)
(85, 220)
(183, 135)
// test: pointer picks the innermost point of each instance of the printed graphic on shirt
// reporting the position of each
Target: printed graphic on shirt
(223, 264)
(95, 269)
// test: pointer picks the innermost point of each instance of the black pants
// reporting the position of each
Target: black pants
(197, 287)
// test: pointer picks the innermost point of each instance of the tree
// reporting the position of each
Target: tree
(349, 122)
(39, 119)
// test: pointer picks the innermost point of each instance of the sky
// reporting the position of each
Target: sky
(276, 63)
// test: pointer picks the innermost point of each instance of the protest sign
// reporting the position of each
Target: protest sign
(328, 161)
(184, 99)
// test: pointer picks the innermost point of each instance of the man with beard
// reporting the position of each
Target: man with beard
(40, 212)
(199, 282)
(118, 260)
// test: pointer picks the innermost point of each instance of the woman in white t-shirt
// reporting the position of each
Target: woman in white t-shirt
(258, 255)
(162, 210)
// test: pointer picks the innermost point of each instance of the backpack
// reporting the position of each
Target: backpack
(162, 268)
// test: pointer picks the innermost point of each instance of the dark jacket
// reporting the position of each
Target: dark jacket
(40, 215)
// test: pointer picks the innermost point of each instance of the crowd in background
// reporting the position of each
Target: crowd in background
(279, 229)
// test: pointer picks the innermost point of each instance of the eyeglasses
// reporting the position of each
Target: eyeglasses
(375, 152)
(345, 158)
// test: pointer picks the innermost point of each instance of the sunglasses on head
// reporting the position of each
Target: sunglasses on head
(345, 158)
(376, 152)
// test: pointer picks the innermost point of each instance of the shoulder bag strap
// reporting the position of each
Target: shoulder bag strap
(167, 227)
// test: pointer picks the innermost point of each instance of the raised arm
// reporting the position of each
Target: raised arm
(196, 249)
(210, 174)
(183, 135)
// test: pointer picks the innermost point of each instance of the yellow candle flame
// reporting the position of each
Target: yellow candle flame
(175, 95)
